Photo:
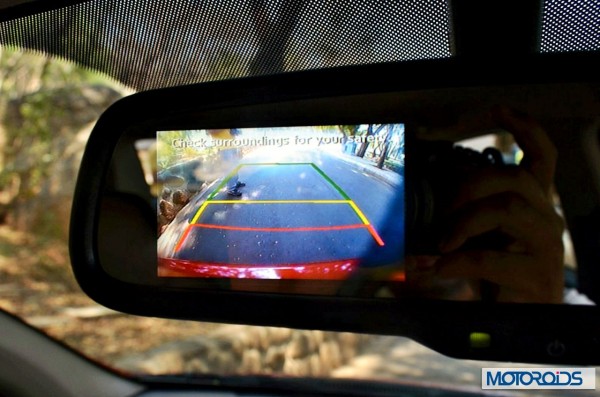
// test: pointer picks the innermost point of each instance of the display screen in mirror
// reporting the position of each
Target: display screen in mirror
(281, 203)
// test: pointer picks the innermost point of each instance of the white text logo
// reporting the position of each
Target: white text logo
(538, 378)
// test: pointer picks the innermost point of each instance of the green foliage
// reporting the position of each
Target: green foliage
(42, 108)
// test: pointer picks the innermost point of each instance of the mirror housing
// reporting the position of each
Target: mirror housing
(113, 224)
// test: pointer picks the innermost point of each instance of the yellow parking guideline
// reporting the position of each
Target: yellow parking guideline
(362, 216)
(200, 211)
(207, 202)
(358, 212)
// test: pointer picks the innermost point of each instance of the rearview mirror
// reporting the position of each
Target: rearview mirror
(254, 203)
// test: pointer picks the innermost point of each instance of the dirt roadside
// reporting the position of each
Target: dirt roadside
(37, 285)
(40, 289)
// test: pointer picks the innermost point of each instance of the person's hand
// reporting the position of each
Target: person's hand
(516, 204)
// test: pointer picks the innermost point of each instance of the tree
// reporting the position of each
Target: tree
(365, 144)
(274, 31)
(386, 146)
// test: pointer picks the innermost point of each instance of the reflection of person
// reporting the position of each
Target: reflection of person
(169, 206)
(230, 156)
(166, 213)
(180, 199)
(512, 202)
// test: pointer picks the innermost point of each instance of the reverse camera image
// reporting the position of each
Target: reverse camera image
(317, 202)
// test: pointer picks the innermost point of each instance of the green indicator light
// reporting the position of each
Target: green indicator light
(480, 340)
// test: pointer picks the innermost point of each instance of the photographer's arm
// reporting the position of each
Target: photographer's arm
(514, 202)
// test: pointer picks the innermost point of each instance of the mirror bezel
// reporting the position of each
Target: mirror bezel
(519, 332)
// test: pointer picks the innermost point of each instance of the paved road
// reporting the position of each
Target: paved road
(301, 206)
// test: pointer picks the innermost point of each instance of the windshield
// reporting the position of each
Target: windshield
(47, 109)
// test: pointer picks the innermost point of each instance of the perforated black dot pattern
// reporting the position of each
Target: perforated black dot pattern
(149, 44)
(571, 25)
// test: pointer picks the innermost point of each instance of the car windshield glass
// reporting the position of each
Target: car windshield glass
(48, 108)
(148, 44)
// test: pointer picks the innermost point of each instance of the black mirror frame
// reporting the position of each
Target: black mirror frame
(523, 333)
